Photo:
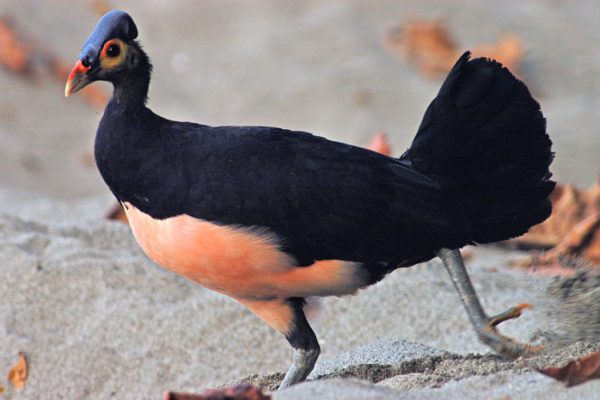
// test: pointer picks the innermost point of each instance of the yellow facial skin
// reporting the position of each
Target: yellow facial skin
(107, 61)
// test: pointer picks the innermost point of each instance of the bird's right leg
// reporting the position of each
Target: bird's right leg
(484, 325)
(287, 316)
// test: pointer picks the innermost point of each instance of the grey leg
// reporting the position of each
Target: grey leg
(303, 362)
(305, 344)
(484, 326)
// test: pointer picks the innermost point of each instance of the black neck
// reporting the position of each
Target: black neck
(131, 89)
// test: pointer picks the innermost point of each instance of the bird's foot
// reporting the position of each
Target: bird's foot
(511, 313)
(303, 362)
(504, 345)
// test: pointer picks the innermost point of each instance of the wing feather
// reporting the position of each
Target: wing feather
(323, 199)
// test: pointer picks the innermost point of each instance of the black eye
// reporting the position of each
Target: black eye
(113, 50)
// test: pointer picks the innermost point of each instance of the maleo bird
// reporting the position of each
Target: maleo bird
(272, 217)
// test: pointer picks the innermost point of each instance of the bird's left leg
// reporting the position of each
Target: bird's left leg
(484, 325)
(287, 316)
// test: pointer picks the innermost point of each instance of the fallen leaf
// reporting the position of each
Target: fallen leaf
(18, 374)
(568, 208)
(428, 46)
(573, 230)
(116, 213)
(425, 45)
(14, 54)
(2, 389)
(380, 144)
(508, 50)
(577, 371)
(239, 392)
(580, 246)
(583, 240)
(94, 95)
(17, 56)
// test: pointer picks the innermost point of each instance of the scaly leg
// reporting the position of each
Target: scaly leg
(484, 325)
(305, 344)
(287, 316)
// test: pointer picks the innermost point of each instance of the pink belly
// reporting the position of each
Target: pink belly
(243, 263)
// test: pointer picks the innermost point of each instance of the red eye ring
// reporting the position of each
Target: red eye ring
(111, 49)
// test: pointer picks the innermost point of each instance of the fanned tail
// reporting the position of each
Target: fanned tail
(484, 139)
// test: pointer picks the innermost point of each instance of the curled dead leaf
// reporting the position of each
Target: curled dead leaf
(116, 213)
(425, 45)
(573, 229)
(14, 54)
(568, 208)
(239, 392)
(380, 144)
(18, 373)
(94, 95)
(17, 55)
(577, 371)
(508, 50)
(428, 46)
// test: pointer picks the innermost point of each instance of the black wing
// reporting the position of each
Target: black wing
(323, 199)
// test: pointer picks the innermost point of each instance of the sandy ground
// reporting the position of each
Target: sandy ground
(98, 320)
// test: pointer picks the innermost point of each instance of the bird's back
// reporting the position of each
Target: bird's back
(320, 199)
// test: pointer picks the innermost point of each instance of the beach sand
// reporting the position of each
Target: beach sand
(98, 320)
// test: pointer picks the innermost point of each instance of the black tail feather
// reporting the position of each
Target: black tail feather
(484, 139)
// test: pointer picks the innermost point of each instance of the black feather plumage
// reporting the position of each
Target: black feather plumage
(241, 209)
(477, 171)
(484, 140)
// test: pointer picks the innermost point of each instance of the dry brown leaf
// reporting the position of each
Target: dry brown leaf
(573, 229)
(581, 244)
(426, 45)
(2, 389)
(380, 144)
(508, 50)
(14, 54)
(17, 55)
(569, 207)
(116, 213)
(239, 392)
(582, 241)
(94, 95)
(18, 373)
(576, 372)
(429, 47)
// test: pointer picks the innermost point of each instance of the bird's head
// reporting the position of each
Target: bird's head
(109, 53)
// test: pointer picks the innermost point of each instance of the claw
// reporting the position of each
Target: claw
(511, 313)
(484, 325)
(504, 345)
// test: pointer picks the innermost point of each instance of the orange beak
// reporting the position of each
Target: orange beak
(78, 79)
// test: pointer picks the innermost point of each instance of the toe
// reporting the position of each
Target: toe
(514, 312)
(507, 346)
